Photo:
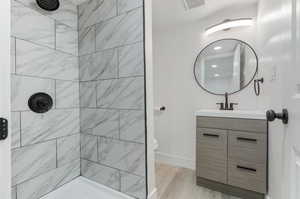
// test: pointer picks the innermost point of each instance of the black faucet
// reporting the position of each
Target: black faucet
(226, 101)
(227, 106)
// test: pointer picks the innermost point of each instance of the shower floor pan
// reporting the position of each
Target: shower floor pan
(82, 188)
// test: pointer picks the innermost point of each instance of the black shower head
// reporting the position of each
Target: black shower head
(49, 5)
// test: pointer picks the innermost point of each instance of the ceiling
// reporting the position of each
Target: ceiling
(172, 12)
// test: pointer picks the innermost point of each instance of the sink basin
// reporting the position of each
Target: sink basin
(259, 115)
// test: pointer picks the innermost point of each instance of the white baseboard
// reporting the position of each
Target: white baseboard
(175, 160)
(153, 194)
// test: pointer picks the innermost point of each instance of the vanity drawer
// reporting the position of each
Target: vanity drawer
(251, 125)
(246, 146)
(247, 175)
(212, 154)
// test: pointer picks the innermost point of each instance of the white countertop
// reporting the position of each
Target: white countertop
(245, 114)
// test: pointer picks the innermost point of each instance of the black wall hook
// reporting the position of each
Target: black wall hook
(257, 83)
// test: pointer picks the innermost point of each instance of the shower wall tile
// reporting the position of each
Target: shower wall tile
(23, 87)
(44, 58)
(13, 55)
(39, 61)
(122, 155)
(124, 93)
(30, 25)
(88, 95)
(101, 174)
(43, 184)
(67, 94)
(121, 30)
(101, 122)
(89, 149)
(31, 161)
(92, 12)
(126, 5)
(54, 124)
(103, 65)
(87, 39)
(132, 126)
(131, 60)
(66, 39)
(111, 70)
(15, 130)
(67, 12)
(68, 149)
(14, 192)
(133, 185)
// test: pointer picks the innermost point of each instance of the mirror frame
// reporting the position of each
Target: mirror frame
(256, 70)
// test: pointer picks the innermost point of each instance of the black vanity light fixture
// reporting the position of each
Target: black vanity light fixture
(228, 24)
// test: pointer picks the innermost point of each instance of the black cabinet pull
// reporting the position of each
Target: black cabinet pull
(245, 168)
(246, 139)
(210, 135)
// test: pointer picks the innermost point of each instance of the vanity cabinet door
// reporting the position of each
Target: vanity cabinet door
(212, 154)
(247, 146)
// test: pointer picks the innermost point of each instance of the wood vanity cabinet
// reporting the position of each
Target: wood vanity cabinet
(232, 156)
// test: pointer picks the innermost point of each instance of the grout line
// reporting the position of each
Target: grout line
(95, 38)
(113, 48)
(45, 141)
(55, 32)
(118, 62)
(55, 97)
(42, 78)
(55, 109)
(16, 187)
(96, 91)
(15, 40)
(113, 17)
(20, 117)
(44, 46)
(98, 155)
(115, 78)
(56, 154)
(119, 123)
(120, 180)
(117, 7)
(108, 166)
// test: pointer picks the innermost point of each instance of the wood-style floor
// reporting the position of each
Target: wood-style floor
(179, 183)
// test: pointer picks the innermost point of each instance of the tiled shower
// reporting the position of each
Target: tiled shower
(90, 59)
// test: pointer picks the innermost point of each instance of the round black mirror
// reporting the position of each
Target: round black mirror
(226, 66)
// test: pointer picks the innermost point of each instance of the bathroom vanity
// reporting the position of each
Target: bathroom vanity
(232, 152)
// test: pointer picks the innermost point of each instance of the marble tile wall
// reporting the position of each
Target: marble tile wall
(111, 74)
(45, 147)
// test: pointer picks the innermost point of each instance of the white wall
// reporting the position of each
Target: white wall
(175, 49)
(5, 152)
